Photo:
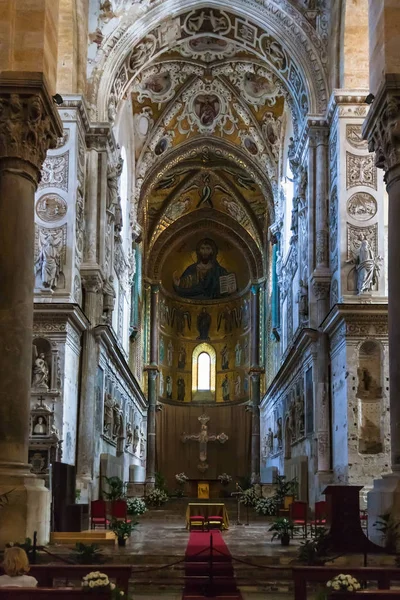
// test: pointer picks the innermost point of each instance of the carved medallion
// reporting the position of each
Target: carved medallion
(354, 136)
(51, 207)
(360, 170)
(362, 206)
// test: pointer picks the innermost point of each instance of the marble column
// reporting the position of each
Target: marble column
(152, 373)
(93, 284)
(29, 126)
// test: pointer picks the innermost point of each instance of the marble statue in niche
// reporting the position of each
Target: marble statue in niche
(108, 415)
(40, 372)
(181, 389)
(302, 300)
(118, 424)
(169, 387)
(161, 384)
(270, 440)
(40, 427)
(225, 358)
(225, 389)
(206, 278)
(108, 300)
(278, 432)
(136, 438)
(182, 358)
(203, 324)
(129, 435)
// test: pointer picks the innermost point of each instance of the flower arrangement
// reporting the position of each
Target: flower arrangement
(156, 497)
(96, 581)
(249, 497)
(266, 506)
(136, 506)
(122, 530)
(224, 478)
(181, 478)
(342, 583)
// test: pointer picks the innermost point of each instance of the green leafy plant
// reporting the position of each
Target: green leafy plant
(390, 530)
(285, 488)
(122, 529)
(282, 529)
(87, 554)
(77, 494)
(116, 488)
(178, 492)
(156, 497)
(266, 506)
(249, 497)
(136, 506)
(160, 482)
(315, 551)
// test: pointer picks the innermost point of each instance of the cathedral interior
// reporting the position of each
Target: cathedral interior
(196, 203)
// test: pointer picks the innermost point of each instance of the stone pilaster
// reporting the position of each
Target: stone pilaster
(151, 427)
(29, 126)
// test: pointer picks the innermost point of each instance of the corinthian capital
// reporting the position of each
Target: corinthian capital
(382, 127)
(29, 123)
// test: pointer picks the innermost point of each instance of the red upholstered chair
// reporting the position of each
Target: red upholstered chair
(98, 514)
(119, 510)
(215, 522)
(196, 521)
(321, 510)
(298, 514)
(364, 519)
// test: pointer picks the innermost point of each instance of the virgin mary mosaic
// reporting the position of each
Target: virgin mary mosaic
(205, 279)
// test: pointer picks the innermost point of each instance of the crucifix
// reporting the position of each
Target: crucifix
(203, 438)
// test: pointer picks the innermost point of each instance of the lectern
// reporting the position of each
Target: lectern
(346, 534)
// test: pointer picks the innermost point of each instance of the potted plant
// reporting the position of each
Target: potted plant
(283, 528)
(122, 530)
(181, 479)
(87, 554)
(116, 488)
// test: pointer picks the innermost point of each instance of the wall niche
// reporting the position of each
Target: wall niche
(369, 395)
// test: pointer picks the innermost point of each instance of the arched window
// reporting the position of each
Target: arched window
(204, 359)
(204, 372)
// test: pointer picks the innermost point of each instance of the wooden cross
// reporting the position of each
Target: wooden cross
(203, 438)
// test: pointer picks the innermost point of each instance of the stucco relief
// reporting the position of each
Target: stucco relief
(362, 206)
(55, 172)
(360, 171)
(51, 207)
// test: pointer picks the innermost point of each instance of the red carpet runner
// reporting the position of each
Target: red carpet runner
(206, 578)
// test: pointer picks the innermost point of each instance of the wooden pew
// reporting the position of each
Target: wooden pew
(50, 593)
(45, 574)
(382, 575)
(367, 595)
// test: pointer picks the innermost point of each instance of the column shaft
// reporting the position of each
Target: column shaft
(151, 427)
(17, 190)
(255, 427)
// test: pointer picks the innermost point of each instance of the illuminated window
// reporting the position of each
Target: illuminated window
(204, 372)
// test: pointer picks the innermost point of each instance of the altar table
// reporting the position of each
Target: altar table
(207, 509)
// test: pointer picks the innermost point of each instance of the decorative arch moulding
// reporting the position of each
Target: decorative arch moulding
(298, 59)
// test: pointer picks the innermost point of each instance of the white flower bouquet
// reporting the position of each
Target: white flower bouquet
(181, 478)
(343, 583)
(97, 581)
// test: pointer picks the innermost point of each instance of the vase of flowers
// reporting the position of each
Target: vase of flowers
(181, 479)
(97, 582)
(136, 506)
(343, 583)
(122, 530)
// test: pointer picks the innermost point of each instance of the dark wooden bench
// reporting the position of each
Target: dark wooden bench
(367, 595)
(382, 575)
(46, 574)
(50, 593)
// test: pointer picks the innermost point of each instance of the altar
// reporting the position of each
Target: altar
(204, 489)
(207, 509)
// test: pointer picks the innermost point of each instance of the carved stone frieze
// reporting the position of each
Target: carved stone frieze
(334, 293)
(50, 255)
(27, 129)
(321, 251)
(321, 287)
(333, 220)
(360, 171)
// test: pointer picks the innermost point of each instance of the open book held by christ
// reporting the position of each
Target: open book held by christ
(227, 284)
